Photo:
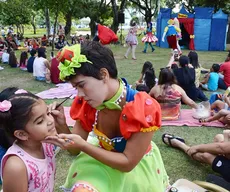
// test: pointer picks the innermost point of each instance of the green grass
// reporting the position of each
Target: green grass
(177, 164)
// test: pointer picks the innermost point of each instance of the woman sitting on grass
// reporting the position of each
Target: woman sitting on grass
(169, 95)
(186, 79)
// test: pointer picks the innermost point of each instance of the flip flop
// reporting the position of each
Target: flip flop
(202, 120)
(170, 137)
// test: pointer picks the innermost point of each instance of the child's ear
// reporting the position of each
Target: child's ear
(21, 134)
(104, 74)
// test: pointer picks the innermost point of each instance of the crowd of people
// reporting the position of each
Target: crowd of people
(120, 154)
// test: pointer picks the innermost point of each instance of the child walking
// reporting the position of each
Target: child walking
(29, 164)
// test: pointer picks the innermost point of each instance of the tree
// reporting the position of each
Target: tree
(116, 9)
(148, 8)
(97, 11)
(16, 12)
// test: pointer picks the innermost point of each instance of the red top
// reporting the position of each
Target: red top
(141, 115)
(54, 71)
(225, 68)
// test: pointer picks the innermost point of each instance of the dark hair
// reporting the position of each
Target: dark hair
(147, 65)
(149, 78)
(42, 52)
(23, 58)
(142, 87)
(216, 67)
(193, 59)
(13, 59)
(5, 140)
(166, 76)
(151, 25)
(6, 93)
(33, 52)
(183, 61)
(228, 57)
(100, 56)
(174, 66)
(19, 114)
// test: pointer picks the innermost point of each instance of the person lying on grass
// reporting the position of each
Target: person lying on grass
(216, 154)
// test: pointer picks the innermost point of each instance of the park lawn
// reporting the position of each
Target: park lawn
(177, 164)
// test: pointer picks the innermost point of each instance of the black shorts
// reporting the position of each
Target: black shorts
(221, 165)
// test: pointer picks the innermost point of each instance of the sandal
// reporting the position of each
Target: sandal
(202, 120)
(170, 137)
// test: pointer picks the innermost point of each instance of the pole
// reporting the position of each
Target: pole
(121, 35)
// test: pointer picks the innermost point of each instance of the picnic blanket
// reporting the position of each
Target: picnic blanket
(62, 90)
(185, 119)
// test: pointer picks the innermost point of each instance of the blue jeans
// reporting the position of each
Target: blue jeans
(221, 84)
(40, 78)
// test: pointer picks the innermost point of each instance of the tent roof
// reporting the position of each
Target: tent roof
(220, 15)
(203, 12)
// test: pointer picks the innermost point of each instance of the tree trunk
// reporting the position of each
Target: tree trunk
(92, 26)
(115, 23)
(47, 18)
(228, 34)
(68, 24)
(33, 23)
(55, 26)
(22, 30)
(148, 16)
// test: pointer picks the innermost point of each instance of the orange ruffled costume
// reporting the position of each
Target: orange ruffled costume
(141, 114)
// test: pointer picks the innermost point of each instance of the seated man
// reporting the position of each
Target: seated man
(44, 40)
(216, 154)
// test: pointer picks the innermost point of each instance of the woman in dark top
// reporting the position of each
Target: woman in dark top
(30, 61)
(186, 79)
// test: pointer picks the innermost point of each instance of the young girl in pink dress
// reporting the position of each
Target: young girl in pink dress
(29, 164)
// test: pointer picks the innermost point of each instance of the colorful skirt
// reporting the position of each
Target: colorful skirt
(148, 176)
(149, 38)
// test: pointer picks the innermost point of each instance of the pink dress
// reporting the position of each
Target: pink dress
(40, 172)
(131, 38)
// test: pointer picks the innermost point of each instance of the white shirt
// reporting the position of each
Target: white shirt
(5, 57)
(39, 68)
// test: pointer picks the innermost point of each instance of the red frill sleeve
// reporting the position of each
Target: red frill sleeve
(141, 115)
(83, 112)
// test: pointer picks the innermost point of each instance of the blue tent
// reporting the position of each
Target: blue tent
(208, 30)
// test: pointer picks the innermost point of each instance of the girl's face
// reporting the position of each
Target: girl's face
(92, 90)
(41, 123)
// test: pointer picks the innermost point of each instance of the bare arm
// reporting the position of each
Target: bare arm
(47, 64)
(205, 81)
(170, 61)
(136, 147)
(15, 175)
(186, 99)
(62, 127)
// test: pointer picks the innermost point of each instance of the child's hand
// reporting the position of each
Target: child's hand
(66, 141)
